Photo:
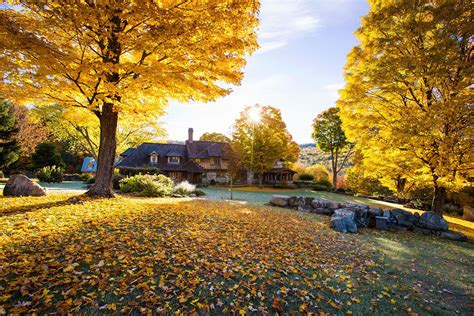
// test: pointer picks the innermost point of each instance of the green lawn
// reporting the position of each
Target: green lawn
(137, 255)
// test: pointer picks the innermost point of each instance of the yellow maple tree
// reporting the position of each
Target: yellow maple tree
(407, 103)
(114, 57)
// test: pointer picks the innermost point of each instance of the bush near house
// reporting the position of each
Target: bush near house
(305, 177)
(147, 185)
(184, 188)
(50, 174)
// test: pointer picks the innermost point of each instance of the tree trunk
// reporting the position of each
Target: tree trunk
(334, 180)
(439, 195)
(105, 163)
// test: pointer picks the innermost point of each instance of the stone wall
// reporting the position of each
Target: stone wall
(347, 217)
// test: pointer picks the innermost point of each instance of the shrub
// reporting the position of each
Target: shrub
(147, 185)
(212, 182)
(305, 177)
(319, 187)
(50, 174)
(184, 188)
(324, 182)
(281, 185)
(85, 177)
(1, 174)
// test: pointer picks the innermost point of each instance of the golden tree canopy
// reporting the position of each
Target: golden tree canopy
(407, 103)
(134, 54)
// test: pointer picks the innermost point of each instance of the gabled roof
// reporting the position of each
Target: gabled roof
(127, 152)
(139, 158)
(203, 149)
(173, 153)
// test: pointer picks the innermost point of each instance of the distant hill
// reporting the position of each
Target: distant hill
(310, 155)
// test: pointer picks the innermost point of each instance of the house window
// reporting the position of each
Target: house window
(216, 161)
(173, 160)
(153, 158)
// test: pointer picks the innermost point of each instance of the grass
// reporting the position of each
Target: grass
(136, 255)
(262, 196)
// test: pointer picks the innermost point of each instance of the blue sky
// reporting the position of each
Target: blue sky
(298, 68)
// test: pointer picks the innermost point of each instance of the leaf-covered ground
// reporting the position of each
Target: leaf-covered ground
(132, 255)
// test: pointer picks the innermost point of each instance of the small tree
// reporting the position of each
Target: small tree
(330, 138)
(260, 139)
(9, 147)
(46, 155)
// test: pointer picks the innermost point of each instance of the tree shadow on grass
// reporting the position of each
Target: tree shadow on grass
(34, 207)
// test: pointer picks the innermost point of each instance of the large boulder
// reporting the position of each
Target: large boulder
(434, 221)
(372, 214)
(20, 185)
(361, 216)
(280, 200)
(403, 218)
(343, 220)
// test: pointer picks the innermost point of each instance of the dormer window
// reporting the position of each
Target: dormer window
(154, 158)
(173, 160)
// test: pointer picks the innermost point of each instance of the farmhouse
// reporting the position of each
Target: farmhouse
(195, 161)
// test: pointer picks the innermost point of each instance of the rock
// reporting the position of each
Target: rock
(424, 231)
(300, 201)
(292, 201)
(20, 185)
(305, 208)
(381, 222)
(372, 213)
(322, 211)
(403, 218)
(449, 234)
(361, 216)
(344, 212)
(359, 206)
(334, 205)
(434, 221)
(343, 220)
(279, 200)
(468, 213)
(308, 200)
(319, 203)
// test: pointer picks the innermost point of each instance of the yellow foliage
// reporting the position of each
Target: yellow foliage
(407, 103)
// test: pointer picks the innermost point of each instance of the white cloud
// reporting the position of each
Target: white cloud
(285, 20)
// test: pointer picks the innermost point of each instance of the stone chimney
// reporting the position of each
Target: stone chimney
(190, 135)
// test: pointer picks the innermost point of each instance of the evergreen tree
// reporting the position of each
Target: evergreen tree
(9, 147)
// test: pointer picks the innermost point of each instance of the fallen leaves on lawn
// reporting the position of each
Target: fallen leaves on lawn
(149, 255)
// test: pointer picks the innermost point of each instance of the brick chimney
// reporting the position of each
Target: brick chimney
(190, 135)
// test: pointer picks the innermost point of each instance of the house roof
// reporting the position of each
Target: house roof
(203, 149)
(174, 153)
(139, 158)
(127, 152)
